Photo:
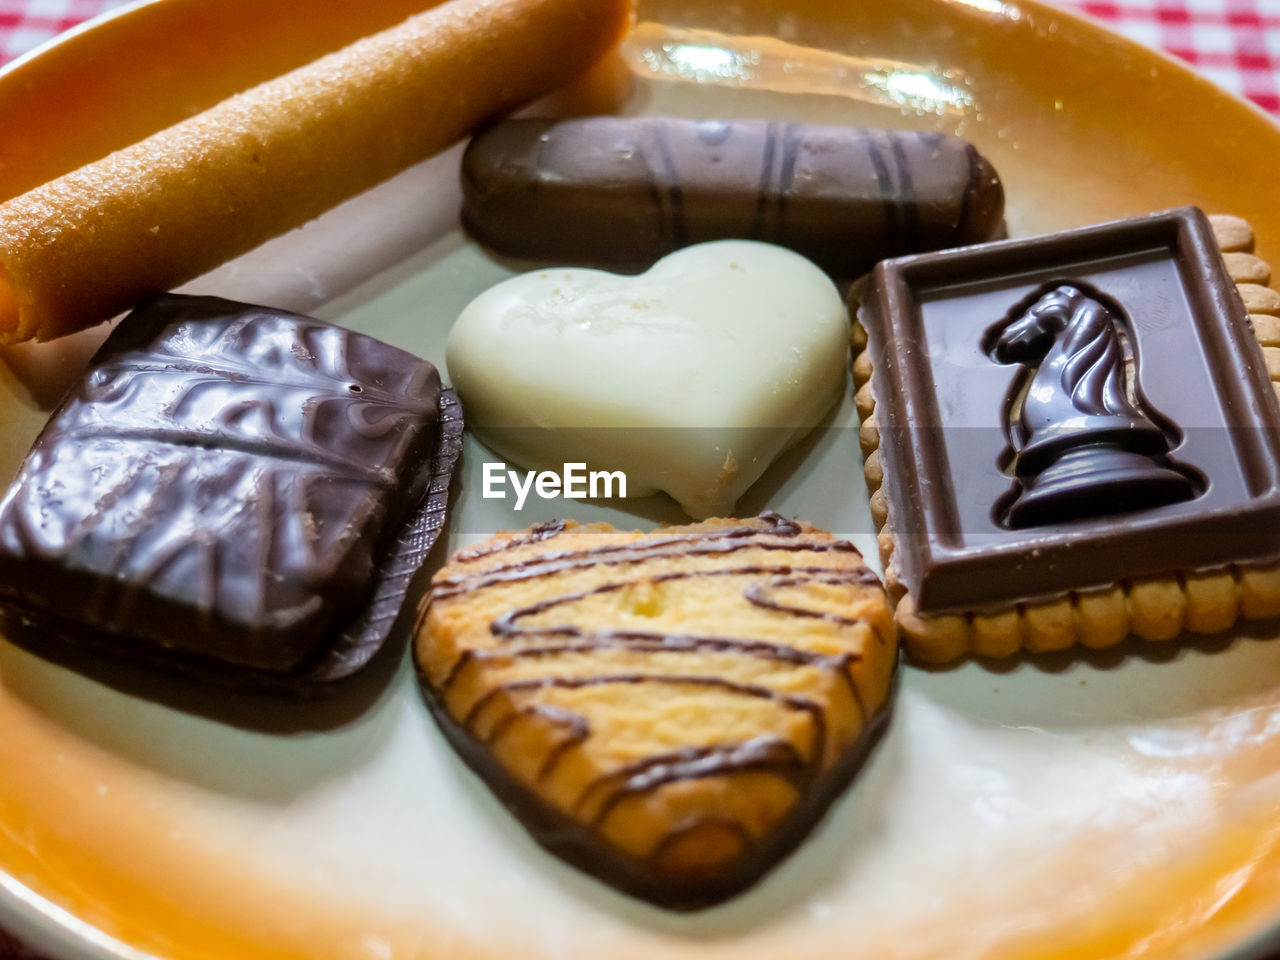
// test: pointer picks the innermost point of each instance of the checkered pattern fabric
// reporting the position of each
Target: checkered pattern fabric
(1235, 43)
(25, 24)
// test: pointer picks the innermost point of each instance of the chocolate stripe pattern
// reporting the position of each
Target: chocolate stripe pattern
(622, 192)
(671, 712)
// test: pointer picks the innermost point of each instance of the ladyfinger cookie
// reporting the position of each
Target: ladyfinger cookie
(146, 218)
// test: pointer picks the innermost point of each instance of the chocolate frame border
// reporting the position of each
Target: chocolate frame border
(1156, 606)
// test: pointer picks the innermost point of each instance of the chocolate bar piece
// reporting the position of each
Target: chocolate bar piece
(623, 191)
(227, 488)
(1069, 413)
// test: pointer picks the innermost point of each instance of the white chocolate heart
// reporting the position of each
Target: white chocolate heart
(690, 378)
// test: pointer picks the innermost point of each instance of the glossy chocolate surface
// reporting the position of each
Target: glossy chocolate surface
(1171, 403)
(624, 191)
(1083, 440)
(228, 488)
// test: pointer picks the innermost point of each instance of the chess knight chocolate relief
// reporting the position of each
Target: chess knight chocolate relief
(1082, 440)
(1073, 438)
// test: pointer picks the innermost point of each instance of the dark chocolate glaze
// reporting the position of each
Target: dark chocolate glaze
(1200, 384)
(306, 466)
(1080, 446)
(623, 191)
(810, 774)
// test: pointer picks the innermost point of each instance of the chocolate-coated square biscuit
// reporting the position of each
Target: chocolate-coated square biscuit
(225, 492)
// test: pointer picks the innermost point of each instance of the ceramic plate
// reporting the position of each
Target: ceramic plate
(1083, 806)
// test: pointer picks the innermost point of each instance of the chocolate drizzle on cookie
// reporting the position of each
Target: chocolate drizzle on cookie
(550, 669)
(541, 531)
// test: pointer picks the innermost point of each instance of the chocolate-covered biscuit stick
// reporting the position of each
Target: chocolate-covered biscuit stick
(620, 192)
(89, 244)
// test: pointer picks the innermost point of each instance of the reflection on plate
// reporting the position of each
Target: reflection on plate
(1078, 806)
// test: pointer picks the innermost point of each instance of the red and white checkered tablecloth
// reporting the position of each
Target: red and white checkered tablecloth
(25, 24)
(1235, 43)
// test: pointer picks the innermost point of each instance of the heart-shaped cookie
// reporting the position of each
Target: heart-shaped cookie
(671, 712)
(690, 378)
